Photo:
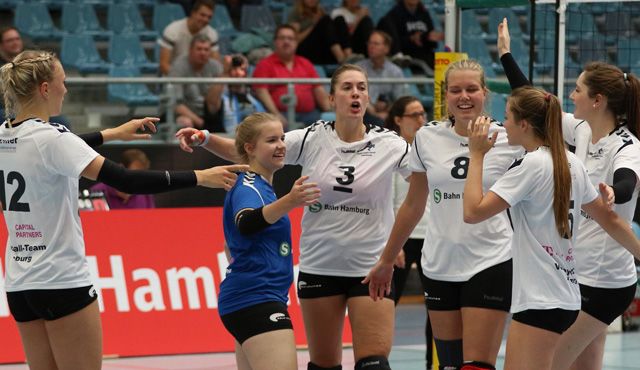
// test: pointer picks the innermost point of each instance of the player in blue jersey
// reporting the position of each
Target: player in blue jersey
(253, 296)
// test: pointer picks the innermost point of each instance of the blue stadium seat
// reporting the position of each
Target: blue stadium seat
(34, 20)
(591, 48)
(132, 94)
(81, 19)
(165, 13)
(222, 23)
(257, 17)
(8, 4)
(628, 53)
(496, 15)
(471, 27)
(477, 49)
(427, 98)
(79, 52)
(320, 71)
(125, 18)
(127, 50)
(498, 105)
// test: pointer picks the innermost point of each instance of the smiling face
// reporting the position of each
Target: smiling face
(581, 100)
(200, 17)
(266, 154)
(465, 95)
(350, 94)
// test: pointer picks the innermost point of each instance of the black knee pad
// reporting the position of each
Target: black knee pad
(449, 353)
(477, 365)
(312, 366)
(373, 363)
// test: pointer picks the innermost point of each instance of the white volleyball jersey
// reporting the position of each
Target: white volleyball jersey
(601, 261)
(344, 233)
(40, 164)
(544, 268)
(454, 250)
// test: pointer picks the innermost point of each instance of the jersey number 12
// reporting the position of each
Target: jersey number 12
(15, 204)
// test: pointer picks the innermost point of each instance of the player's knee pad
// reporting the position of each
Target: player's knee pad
(449, 353)
(312, 366)
(373, 363)
(477, 365)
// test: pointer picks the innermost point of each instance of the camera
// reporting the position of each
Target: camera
(237, 61)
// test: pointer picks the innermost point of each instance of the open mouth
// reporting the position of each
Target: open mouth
(355, 106)
(465, 106)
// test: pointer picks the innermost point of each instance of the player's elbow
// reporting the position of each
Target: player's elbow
(471, 217)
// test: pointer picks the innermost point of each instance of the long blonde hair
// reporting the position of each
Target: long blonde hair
(20, 78)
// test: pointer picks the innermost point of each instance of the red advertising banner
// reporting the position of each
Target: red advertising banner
(158, 273)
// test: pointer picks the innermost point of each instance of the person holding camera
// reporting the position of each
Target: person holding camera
(237, 101)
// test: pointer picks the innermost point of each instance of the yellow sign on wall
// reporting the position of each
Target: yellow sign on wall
(442, 61)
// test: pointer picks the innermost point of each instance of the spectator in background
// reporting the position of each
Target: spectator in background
(381, 95)
(198, 104)
(412, 31)
(318, 39)
(237, 101)
(284, 63)
(132, 159)
(176, 37)
(358, 24)
(11, 45)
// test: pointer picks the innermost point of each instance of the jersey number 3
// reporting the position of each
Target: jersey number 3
(346, 179)
(15, 204)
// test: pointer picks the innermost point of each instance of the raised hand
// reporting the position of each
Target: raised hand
(129, 131)
(220, 176)
(479, 140)
(504, 39)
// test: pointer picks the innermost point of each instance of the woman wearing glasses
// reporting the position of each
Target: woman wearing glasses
(467, 267)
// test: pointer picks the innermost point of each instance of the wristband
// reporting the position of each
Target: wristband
(203, 137)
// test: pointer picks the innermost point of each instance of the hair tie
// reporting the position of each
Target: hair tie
(547, 96)
(13, 65)
(625, 77)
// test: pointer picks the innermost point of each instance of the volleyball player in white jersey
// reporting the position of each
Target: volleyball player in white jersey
(342, 235)
(406, 116)
(48, 285)
(467, 267)
(545, 191)
(602, 132)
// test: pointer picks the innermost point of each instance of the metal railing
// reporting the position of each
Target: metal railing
(169, 93)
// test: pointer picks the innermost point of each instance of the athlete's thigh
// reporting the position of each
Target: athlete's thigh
(482, 331)
(591, 357)
(446, 325)
(576, 339)
(271, 350)
(323, 321)
(371, 326)
(529, 348)
(76, 339)
(36, 345)
(242, 363)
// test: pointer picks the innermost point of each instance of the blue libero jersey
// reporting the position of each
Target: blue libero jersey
(261, 266)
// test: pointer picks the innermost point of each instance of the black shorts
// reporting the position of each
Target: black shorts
(490, 288)
(606, 304)
(49, 304)
(316, 286)
(261, 318)
(556, 320)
